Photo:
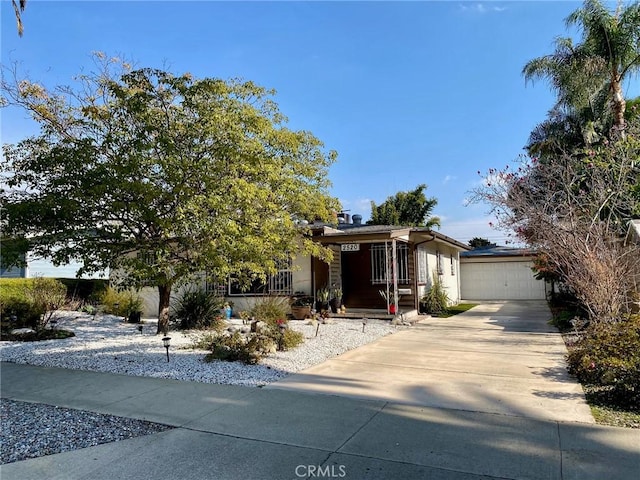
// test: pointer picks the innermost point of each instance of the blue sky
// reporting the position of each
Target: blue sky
(405, 92)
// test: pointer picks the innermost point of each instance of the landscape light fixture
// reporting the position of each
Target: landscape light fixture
(140, 329)
(364, 323)
(54, 324)
(166, 341)
(282, 328)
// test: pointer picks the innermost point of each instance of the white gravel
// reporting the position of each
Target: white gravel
(31, 430)
(107, 344)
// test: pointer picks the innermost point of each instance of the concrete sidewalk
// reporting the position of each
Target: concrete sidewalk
(228, 432)
(499, 357)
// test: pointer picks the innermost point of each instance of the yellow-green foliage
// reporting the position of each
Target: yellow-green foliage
(291, 339)
(29, 298)
(128, 302)
(271, 309)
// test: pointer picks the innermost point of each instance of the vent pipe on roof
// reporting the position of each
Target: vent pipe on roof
(357, 219)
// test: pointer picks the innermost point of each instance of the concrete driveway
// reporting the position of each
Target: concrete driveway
(499, 357)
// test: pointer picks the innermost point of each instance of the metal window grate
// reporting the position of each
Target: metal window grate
(381, 263)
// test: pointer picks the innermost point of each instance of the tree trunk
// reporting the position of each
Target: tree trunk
(164, 297)
(619, 106)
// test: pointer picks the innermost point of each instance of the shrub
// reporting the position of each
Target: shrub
(290, 339)
(128, 302)
(196, 308)
(14, 301)
(607, 356)
(237, 347)
(271, 309)
(83, 289)
(46, 295)
(436, 300)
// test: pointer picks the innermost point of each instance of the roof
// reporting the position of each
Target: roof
(371, 233)
(499, 252)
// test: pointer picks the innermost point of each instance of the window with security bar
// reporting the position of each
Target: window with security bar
(381, 259)
(280, 283)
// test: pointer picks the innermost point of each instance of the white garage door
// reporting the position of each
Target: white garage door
(500, 281)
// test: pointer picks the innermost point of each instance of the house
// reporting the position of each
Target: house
(399, 261)
(500, 273)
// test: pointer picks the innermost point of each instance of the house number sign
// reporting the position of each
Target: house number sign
(350, 247)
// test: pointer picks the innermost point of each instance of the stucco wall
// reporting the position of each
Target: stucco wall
(449, 278)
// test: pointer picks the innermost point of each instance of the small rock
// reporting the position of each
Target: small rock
(22, 331)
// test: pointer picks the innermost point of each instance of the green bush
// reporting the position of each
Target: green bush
(83, 289)
(237, 347)
(271, 309)
(607, 356)
(291, 339)
(46, 295)
(196, 308)
(436, 300)
(128, 302)
(14, 301)
(31, 300)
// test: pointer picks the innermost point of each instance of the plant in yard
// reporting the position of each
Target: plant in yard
(435, 300)
(291, 339)
(237, 347)
(197, 308)
(606, 357)
(46, 295)
(301, 306)
(122, 303)
(322, 299)
(270, 309)
(390, 299)
(16, 310)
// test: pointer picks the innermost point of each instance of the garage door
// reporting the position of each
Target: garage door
(500, 281)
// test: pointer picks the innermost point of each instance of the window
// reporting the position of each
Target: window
(381, 257)
(453, 265)
(423, 272)
(280, 283)
(439, 263)
(216, 288)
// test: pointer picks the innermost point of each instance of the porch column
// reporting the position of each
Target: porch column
(386, 270)
(394, 272)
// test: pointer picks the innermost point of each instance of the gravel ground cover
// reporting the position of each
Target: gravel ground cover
(106, 344)
(30, 430)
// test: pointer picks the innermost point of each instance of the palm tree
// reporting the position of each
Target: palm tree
(614, 40)
(588, 77)
(18, 7)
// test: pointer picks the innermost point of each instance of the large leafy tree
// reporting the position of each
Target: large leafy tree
(162, 177)
(589, 76)
(411, 208)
